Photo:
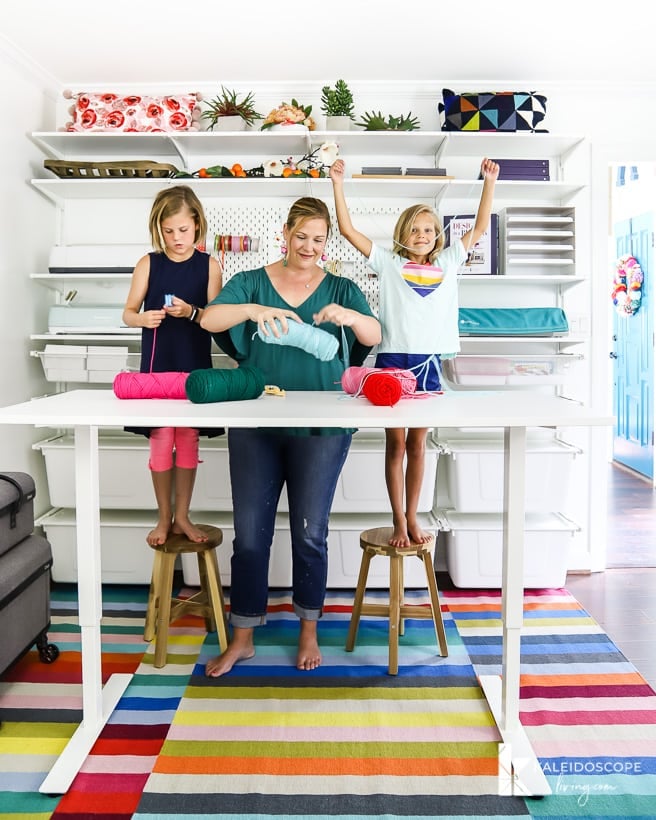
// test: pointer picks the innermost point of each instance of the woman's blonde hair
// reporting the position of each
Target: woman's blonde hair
(403, 229)
(307, 207)
(170, 202)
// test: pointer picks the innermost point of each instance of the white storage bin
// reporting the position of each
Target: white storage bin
(125, 481)
(492, 370)
(361, 486)
(126, 558)
(64, 363)
(473, 544)
(471, 470)
(107, 358)
(344, 554)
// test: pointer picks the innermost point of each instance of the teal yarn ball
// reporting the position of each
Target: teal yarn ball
(219, 384)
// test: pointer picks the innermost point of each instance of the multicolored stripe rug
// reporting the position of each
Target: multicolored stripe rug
(344, 741)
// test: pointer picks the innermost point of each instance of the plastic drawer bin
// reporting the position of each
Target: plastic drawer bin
(126, 558)
(471, 472)
(473, 544)
(125, 483)
(344, 554)
(491, 370)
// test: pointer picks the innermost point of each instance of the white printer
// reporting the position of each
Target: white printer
(95, 258)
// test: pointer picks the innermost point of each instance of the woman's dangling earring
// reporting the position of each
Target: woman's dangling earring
(283, 251)
(324, 257)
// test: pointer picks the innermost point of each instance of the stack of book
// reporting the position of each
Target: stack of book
(382, 170)
(426, 172)
(528, 170)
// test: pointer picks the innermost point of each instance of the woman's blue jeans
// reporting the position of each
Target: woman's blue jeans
(260, 464)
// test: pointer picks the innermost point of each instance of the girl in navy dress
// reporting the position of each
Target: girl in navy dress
(168, 292)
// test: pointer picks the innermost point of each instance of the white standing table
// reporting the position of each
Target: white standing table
(88, 410)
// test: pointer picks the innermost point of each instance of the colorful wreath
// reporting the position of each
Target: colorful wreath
(627, 286)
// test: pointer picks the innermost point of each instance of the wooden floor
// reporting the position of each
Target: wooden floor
(622, 599)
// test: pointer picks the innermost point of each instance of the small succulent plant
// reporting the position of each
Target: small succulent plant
(337, 101)
(376, 121)
(227, 104)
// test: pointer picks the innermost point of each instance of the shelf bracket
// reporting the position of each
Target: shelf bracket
(184, 158)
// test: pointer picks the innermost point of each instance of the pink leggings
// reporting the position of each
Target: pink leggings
(165, 440)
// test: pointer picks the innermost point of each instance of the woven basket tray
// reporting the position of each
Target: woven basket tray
(142, 169)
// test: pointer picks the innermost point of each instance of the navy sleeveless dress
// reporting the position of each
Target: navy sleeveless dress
(177, 345)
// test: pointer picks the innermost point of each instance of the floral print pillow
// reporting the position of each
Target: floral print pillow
(112, 113)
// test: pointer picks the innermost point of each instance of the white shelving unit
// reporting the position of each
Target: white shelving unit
(254, 205)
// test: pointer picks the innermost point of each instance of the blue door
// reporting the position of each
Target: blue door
(633, 354)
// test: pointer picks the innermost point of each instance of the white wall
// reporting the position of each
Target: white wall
(26, 230)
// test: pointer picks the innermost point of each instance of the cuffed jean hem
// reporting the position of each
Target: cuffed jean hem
(247, 621)
(307, 614)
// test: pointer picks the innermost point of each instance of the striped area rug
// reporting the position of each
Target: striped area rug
(344, 741)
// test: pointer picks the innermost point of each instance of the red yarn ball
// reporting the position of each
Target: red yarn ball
(382, 389)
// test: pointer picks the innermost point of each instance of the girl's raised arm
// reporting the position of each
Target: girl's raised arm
(359, 241)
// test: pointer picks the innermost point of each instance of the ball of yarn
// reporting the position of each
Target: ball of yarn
(382, 389)
(218, 384)
(356, 379)
(319, 343)
(150, 385)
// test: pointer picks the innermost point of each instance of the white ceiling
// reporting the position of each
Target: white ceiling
(160, 41)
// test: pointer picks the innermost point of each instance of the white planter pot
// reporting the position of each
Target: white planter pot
(230, 124)
(338, 123)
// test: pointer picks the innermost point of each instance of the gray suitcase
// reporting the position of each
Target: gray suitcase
(16, 508)
(25, 561)
(25, 601)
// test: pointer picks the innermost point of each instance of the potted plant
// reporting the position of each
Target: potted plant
(337, 105)
(288, 116)
(375, 121)
(227, 112)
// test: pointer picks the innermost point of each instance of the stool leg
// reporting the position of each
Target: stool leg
(204, 597)
(396, 564)
(215, 597)
(357, 601)
(153, 599)
(164, 608)
(435, 604)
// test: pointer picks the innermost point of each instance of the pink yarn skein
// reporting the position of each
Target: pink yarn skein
(150, 385)
(354, 379)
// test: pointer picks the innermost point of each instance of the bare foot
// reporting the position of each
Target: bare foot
(418, 535)
(157, 536)
(185, 527)
(241, 649)
(400, 537)
(309, 654)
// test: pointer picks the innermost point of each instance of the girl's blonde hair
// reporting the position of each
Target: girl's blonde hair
(307, 207)
(170, 202)
(403, 229)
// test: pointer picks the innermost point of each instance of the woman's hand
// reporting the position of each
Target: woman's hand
(266, 316)
(338, 315)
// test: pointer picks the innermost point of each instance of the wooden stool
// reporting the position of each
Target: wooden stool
(375, 542)
(163, 608)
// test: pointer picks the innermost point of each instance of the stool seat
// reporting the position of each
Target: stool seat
(375, 542)
(163, 608)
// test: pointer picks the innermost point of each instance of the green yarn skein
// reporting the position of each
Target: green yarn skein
(319, 343)
(222, 384)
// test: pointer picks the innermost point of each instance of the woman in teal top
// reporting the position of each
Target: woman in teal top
(308, 460)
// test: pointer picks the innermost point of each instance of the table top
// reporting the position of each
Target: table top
(101, 408)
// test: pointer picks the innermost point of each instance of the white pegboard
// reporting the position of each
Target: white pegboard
(265, 221)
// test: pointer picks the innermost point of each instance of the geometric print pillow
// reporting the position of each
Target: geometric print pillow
(492, 111)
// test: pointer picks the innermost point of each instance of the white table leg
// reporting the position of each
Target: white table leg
(97, 704)
(503, 695)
